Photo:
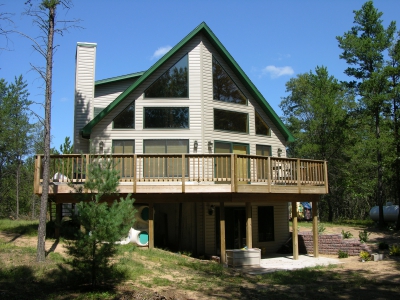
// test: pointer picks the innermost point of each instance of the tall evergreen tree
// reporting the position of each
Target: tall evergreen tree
(316, 112)
(364, 47)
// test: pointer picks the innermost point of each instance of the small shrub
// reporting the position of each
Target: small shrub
(364, 256)
(347, 234)
(321, 228)
(343, 254)
(394, 250)
(383, 246)
(364, 236)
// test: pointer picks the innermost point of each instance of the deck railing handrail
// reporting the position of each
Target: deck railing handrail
(223, 168)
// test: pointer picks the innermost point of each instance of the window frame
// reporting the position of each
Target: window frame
(165, 164)
(134, 117)
(256, 113)
(266, 220)
(165, 128)
(188, 92)
(237, 86)
(232, 111)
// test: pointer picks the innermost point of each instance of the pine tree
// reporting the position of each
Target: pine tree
(102, 225)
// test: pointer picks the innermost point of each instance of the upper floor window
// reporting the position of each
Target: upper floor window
(261, 127)
(263, 150)
(224, 89)
(126, 119)
(123, 146)
(231, 120)
(166, 117)
(173, 83)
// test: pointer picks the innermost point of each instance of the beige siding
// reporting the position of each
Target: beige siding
(209, 232)
(276, 140)
(103, 131)
(104, 94)
(281, 227)
(84, 92)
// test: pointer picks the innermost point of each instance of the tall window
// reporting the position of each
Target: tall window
(166, 117)
(266, 224)
(263, 150)
(124, 164)
(173, 83)
(262, 163)
(261, 127)
(126, 119)
(154, 167)
(224, 89)
(230, 120)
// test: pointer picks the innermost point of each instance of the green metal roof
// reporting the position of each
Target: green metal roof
(204, 29)
(118, 78)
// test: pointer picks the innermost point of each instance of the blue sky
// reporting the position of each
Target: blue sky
(272, 41)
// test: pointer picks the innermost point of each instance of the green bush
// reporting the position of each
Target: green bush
(321, 228)
(394, 250)
(364, 236)
(347, 234)
(365, 256)
(343, 254)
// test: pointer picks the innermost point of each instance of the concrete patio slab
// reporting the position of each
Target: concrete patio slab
(286, 263)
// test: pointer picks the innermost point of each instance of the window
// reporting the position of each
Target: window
(126, 119)
(166, 117)
(266, 224)
(124, 164)
(173, 83)
(165, 167)
(230, 120)
(261, 127)
(263, 150)
(262, 163)
(224, 89)
(223, 164)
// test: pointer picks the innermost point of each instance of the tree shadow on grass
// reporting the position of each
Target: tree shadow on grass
(49, 281)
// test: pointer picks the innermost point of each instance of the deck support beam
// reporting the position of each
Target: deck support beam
(249, 237)
(315, 227)
(151, 225)
(295, 236)
(222, 231)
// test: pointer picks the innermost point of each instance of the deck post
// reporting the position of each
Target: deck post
(36, 179)
(326, 177)
(315, 227)
(58, 220)
(295, 236)
(222, 231)
(151, 225)
(249, 231)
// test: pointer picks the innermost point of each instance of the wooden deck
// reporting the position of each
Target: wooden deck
(191, 173)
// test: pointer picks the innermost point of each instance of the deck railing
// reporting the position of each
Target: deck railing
(231, 169)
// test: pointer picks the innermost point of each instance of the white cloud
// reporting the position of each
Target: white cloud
(161, 51)
(64, 99)
(276, 72)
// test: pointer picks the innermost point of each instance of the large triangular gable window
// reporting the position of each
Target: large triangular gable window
(173, 83)
(126, 119)
(261, 127)
(224, 89)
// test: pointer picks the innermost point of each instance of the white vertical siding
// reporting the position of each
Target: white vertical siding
(84, 92)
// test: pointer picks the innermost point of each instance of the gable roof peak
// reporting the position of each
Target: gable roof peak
(234, 66)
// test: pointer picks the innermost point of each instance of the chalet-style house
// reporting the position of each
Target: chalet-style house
(197, 143)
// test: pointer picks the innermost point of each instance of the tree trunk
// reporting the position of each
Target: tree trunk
(41, 254)
(379, 192)
(17, 186)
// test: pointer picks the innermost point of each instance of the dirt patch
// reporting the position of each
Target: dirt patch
(19, 240)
